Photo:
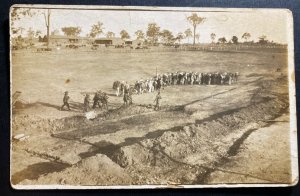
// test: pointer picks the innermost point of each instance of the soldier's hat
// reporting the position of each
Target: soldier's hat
(66, 92)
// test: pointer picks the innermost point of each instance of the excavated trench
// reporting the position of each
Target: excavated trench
(213, 139)
(226, 123)
(157, 149)
(124, 154)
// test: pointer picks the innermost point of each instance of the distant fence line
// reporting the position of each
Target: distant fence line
(170, 49)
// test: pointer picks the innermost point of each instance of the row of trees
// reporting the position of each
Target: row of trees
(153, 34)
(235, 40)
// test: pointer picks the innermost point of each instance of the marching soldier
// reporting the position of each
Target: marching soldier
(130, 98)
(157, 101)
(86, 103)
(125, 98)
(104, 100)
(96, 100)
(66, 101)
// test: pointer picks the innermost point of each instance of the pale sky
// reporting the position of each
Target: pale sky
(271, 23)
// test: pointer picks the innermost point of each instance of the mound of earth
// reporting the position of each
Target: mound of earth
(200, 146)
(180, 144)
(91, 171)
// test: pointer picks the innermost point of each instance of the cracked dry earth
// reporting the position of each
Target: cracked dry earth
(218, 134)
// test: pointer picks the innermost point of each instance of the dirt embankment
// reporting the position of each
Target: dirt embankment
(32, 123)
(183, 154)
(188, 155)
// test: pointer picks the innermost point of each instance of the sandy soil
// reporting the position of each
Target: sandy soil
(199, 132)
(252, 164)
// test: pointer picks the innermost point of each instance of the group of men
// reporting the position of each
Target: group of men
(155, 84)
(100, 99)
(127, 91)
(194, 78)
(177, 78)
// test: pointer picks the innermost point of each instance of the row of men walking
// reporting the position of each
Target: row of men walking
(100, 100)
(177, 78)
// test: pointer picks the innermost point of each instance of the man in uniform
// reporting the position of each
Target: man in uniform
(66, 101)
(86, 103)
(104, 100)
(130, 97)
(96, 100)
(125, 98)
(126, 87)
(157, 101)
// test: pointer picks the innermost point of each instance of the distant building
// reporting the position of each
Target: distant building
(63, 39)
(128, 42)
(134, 43)
(110, 41)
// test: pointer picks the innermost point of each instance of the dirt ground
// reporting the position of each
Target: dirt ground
(252, 165)
(200, 134)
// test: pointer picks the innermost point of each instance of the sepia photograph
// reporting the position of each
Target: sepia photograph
(151, 97)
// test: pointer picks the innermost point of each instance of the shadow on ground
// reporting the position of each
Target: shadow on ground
(34, 171)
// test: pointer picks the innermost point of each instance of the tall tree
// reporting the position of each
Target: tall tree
(153, 32)
(188, 33)
(71, 31)
(195, 20)
(235, 39)
(166, 36)
(18, 13)
(263, 39)
(246, 36)
(47, 23)
(222, 40)
(179, 37)
(124, 34)
(212, 37)
(110, 34)
(96, 29)
(139, 34)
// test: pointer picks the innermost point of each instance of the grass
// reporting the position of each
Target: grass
(45, 76)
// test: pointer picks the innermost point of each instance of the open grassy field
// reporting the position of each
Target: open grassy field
(42, 76)
(196, 129)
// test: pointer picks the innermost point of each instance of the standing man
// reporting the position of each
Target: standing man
(104, 100)
(66, 101)
(125, 98)
(157, 101)
(96, 100)
(130, 97)
(86, 103)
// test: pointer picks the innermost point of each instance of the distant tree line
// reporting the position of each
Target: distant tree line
(235, 40)
(152, 36)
